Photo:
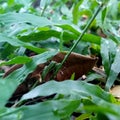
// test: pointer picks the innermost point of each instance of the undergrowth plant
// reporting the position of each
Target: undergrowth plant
(45, 27)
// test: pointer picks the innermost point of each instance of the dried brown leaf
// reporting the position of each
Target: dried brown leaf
(76, 63)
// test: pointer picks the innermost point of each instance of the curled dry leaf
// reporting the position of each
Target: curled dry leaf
(76, 63)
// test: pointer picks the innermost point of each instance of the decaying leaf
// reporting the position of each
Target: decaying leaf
(75, 64)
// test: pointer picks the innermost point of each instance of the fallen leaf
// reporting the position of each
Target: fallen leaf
(75, 64)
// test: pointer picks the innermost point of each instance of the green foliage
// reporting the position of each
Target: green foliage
(54, 110)
(44, 28)
(70, 89)
(17, 60)
(114, 71)
(18, 76)
(74, 94)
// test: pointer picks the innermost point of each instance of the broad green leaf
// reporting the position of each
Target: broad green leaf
(52, 110)
(37, 36)
(11, 18)
(108, 51)
(91, 38)
(69, 33)
(110, 111)
(59, 109)
(6, 88)
(79, 90)
(10, 83)
(87, 37)
(69, 87)
(114, 71)
(105, 55)
(17, 60)
(17, 43)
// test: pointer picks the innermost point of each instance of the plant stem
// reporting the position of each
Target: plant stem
(43, 10)
(80, 37)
